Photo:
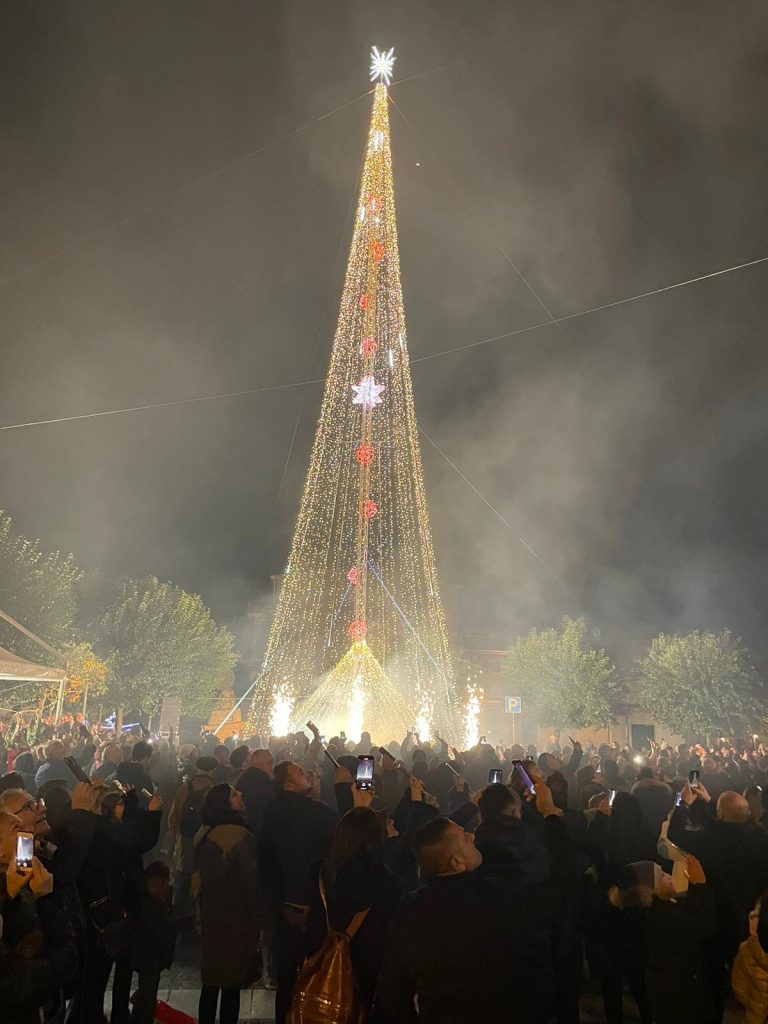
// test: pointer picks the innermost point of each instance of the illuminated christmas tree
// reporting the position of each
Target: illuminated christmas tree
(359, 639)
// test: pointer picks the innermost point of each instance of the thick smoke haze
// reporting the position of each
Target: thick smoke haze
(608, 149)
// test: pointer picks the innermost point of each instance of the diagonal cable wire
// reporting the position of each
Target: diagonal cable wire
(158, 405)
(160, 201)
(416, 359)
(479, 218)
(493, 509)
(592, 309)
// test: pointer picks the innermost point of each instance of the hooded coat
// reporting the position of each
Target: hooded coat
(230, 904)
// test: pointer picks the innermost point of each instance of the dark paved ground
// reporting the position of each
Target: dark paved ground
(180, 988)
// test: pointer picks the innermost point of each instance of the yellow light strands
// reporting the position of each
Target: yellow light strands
(357, 695)
(359, 636)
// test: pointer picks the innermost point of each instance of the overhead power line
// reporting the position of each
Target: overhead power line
(417, 359)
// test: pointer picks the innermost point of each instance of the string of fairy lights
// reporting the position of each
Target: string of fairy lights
(359, 607)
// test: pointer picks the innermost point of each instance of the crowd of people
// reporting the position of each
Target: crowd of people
(491, 884)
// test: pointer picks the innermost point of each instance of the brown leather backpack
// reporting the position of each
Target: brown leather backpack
(325, 991)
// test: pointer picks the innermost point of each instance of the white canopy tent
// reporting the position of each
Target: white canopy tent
(19, 670)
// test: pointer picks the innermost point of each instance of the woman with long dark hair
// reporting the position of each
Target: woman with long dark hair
(619, 837)
(354, 878)
(229, 901)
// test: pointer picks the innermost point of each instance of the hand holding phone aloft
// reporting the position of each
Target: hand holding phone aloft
(361, 797)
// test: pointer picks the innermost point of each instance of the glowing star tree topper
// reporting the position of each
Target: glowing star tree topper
(381, 66)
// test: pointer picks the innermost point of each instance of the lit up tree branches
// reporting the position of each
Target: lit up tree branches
(359, 636)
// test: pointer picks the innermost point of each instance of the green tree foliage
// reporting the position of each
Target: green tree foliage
(564, 680)
(39, 590)
(160, 641)
(701, 684)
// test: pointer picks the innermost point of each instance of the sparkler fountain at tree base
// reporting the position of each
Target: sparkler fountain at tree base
(359, 640)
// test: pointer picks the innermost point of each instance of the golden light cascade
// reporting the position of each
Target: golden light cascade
(359, 632)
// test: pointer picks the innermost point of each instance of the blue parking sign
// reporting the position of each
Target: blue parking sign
(513, 705)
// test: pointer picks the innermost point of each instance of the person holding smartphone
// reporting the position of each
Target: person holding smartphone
(35, 961)
(733, 853)
(659, 941)
(296, 832)
(355, 879)
(110, 885)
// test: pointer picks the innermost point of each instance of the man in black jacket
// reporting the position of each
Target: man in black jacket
(734, 856)
(256, 786)
(295, 832)
(457, 945)
(733, 853)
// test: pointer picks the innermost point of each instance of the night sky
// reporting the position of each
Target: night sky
(175, 225)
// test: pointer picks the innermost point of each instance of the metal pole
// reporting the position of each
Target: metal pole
(32, 636)
(60, 701)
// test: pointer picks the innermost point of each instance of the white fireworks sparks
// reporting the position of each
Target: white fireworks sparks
(472, 718)
(356, 709)
(280, 715)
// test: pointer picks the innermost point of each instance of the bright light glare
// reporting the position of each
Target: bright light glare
(280, 716)
(472, 718)
(424, 717)
(382, 64)
(356, 709)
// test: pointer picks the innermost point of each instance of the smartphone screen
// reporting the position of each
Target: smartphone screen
(494, 776)
(611, 797)
(693, 778)
(25, 849)
(524, 777)
(364, 773)
(678, 797)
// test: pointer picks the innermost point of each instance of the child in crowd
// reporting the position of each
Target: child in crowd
(156, 940)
